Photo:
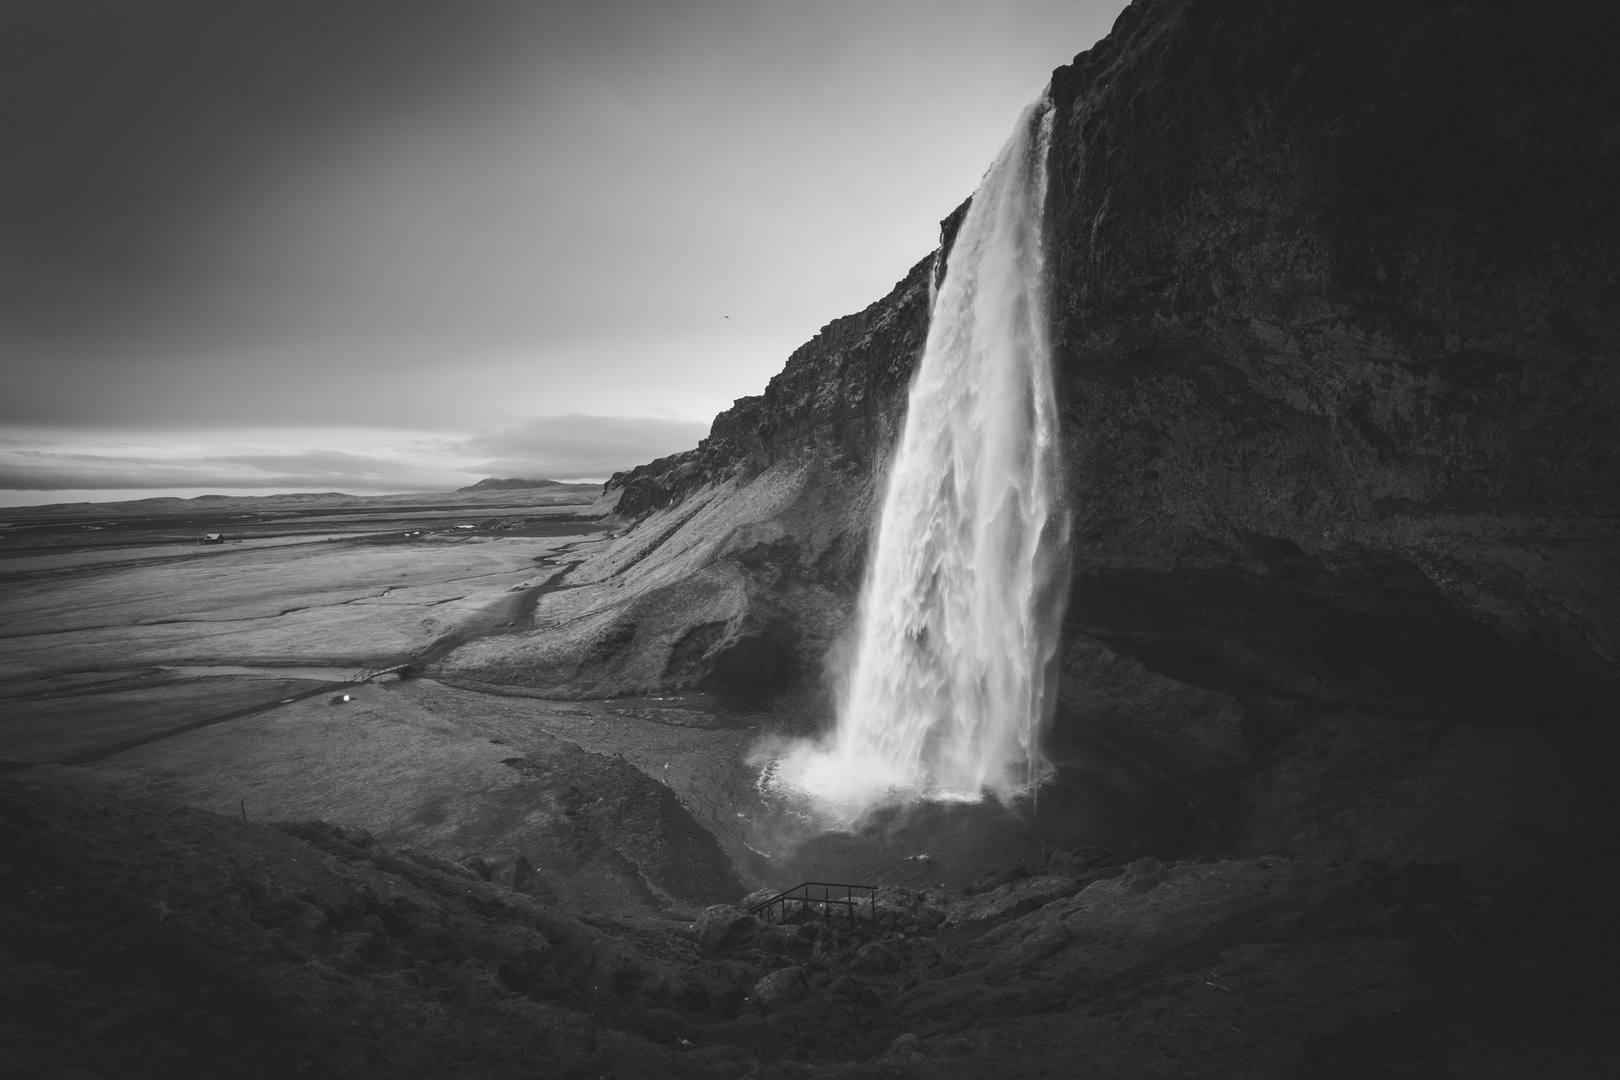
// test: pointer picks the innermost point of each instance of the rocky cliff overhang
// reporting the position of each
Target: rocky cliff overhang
(1336, 322)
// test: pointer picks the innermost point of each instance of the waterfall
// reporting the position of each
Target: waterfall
(962, 604)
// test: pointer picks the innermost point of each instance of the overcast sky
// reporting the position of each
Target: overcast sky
(382, 245)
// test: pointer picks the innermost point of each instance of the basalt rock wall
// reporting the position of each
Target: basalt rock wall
(1337, 336)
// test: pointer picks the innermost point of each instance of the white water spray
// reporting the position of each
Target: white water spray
(964, 595)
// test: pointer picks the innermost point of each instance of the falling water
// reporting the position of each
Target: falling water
(964, 594)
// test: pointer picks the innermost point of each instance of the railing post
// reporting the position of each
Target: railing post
(803, 894)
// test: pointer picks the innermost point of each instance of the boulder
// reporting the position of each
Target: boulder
(719, 922)
(758, 896)
(844, 987)
(1143, 874)
(905, 1049)
(781, 987)
(876, 959)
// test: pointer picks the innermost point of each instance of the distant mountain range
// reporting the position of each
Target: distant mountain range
(487, 493)
(510, 484)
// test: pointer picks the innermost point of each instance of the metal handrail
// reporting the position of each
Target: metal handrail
(803, 895)
(366, 674)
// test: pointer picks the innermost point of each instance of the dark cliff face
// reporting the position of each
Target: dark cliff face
(1336, 323)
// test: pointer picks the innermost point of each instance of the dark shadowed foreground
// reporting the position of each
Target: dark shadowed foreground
(140, 938)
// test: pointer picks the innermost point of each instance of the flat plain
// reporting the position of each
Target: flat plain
(242, 677)
(117, 630)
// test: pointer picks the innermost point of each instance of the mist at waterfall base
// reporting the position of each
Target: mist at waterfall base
(1091, 799)
(962, 606)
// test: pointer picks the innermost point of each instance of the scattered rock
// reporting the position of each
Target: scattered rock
(687, 718)
(781, 987)
(758, 896)
(1143, 874)
(905, 1048)
(719, 922)
(949, 1046)
(1009, 901)
(660, 1025)
(844, 987)
(876, 959)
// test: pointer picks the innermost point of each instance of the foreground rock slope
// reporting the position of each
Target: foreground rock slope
(140, 938)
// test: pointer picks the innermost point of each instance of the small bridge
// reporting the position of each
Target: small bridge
(819, 900)
(369, 673)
